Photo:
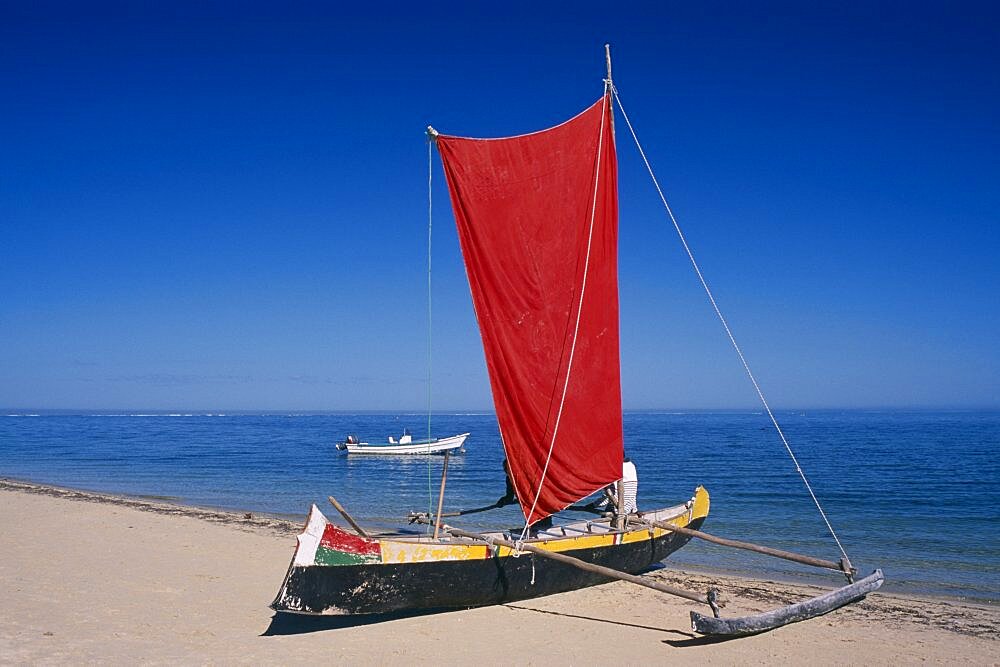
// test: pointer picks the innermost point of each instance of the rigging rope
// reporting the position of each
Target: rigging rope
(725, 325)
(430, 330)
(579, 312)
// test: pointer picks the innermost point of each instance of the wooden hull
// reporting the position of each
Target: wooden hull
(418, 575)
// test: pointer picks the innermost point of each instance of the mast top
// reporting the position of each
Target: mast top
(607, 58)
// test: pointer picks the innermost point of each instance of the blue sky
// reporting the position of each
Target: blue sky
(222, 206)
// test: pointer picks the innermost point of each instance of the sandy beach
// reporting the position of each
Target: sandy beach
(102, 579)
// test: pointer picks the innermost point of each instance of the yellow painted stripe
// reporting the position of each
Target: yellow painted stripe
(421, 552)
(571, 543)
(639, 535)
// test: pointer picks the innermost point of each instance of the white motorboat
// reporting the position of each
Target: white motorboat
(405, 445)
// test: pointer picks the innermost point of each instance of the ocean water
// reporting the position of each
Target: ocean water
(916, 493)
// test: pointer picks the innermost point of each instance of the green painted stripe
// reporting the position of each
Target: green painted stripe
(327, 556)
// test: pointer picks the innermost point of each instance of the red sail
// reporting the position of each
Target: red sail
(528, 209)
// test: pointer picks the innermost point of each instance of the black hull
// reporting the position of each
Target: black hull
(382, 588)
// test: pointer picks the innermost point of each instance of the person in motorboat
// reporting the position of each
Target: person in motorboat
(350, 440)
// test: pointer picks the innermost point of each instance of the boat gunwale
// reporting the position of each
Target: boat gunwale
(663, 514)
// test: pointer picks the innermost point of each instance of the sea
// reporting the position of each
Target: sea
(916, 493)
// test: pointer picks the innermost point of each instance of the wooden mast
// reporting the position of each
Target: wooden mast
(618, 521)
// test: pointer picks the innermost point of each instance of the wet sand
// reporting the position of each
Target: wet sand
(94, 578)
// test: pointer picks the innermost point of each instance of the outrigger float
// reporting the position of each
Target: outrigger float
(537, 219)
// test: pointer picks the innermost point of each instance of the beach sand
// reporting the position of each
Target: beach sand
(101, 579)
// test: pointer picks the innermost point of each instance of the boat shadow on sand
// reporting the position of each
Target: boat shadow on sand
(296, 624)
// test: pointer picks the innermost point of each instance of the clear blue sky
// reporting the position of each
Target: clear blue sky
(220, 206)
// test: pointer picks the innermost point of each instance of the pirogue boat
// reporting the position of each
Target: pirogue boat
(537, 218)
(338, 572)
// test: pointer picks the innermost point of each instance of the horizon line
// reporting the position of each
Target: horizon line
(18, 412)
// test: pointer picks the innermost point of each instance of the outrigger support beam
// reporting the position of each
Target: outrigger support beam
(711, 598)
(817, 606)
(608, 572)
(444, 478)
(844, 566)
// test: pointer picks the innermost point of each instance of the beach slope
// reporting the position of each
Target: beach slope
(93, 578)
